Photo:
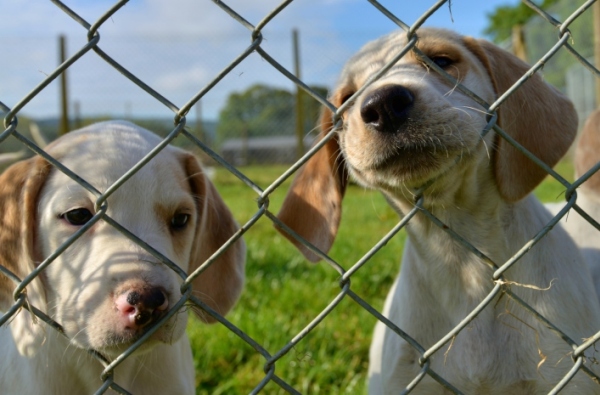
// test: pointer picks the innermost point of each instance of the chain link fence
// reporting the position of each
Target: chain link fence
(271, 358)
(564, 70)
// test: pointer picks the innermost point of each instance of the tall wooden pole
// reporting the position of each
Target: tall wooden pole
(299, 101)
(64, 99)
(77, 115)
(519, 45)
(199, 130)
(596, 16)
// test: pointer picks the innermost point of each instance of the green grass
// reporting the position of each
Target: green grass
(284, 293)
(552, 191)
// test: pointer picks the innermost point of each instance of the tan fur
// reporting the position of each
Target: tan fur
(220, 285)
(536, 115)
(587, 154)
(19, 189)
(317, 193)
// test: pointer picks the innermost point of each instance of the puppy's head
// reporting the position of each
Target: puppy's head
(412, 126)
(105, 289)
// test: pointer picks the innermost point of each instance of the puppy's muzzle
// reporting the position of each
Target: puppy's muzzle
(386, 109)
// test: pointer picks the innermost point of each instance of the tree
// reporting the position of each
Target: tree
(502, 20)
(262, 110)
(507, 22)
(541, 36)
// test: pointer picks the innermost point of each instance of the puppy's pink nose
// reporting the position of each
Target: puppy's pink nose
(139, 307)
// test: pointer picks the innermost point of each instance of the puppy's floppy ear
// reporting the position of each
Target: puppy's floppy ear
(220, 285)
(20, 186)
(536, 115)
(587, 153)
(313, 205)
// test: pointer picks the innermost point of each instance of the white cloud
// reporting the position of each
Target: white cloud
(180, 79)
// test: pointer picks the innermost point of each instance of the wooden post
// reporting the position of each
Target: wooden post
(518, 42)
(245, 155)
(299, 99)
(128, 110)
(596, 17)
(77, 116)
(199, 130)
(64, 99)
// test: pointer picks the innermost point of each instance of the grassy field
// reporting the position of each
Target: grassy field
(284, 293)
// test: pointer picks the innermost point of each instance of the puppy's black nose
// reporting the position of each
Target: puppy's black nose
(387, 108)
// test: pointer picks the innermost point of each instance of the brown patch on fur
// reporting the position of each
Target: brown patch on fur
(438, 48)
(587, 153)
(313, 205)
(536, 115)
(220, 285)
(20, 186)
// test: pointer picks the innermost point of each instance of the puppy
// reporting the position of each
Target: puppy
(417, 138)
(104, 290)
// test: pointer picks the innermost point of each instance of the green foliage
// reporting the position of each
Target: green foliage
(551, 190)
(502, 20)
(262, 110)
(284, 293)
(540, 35)
(254, 111)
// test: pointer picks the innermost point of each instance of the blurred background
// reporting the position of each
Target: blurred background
(250, 116)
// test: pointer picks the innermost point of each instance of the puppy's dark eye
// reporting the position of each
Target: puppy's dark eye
(179, 221)
(77, 216)
(344, 98)
(442, 61)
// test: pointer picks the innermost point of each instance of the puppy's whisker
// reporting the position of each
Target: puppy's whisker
(479, 110)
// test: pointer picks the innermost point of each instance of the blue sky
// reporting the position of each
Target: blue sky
(178, 46)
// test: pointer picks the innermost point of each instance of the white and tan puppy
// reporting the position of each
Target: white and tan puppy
(412, 127)
(105, 290)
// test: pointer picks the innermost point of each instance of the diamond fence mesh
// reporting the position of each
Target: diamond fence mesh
(271, 357)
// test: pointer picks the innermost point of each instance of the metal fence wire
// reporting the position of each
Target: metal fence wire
(563, 40)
